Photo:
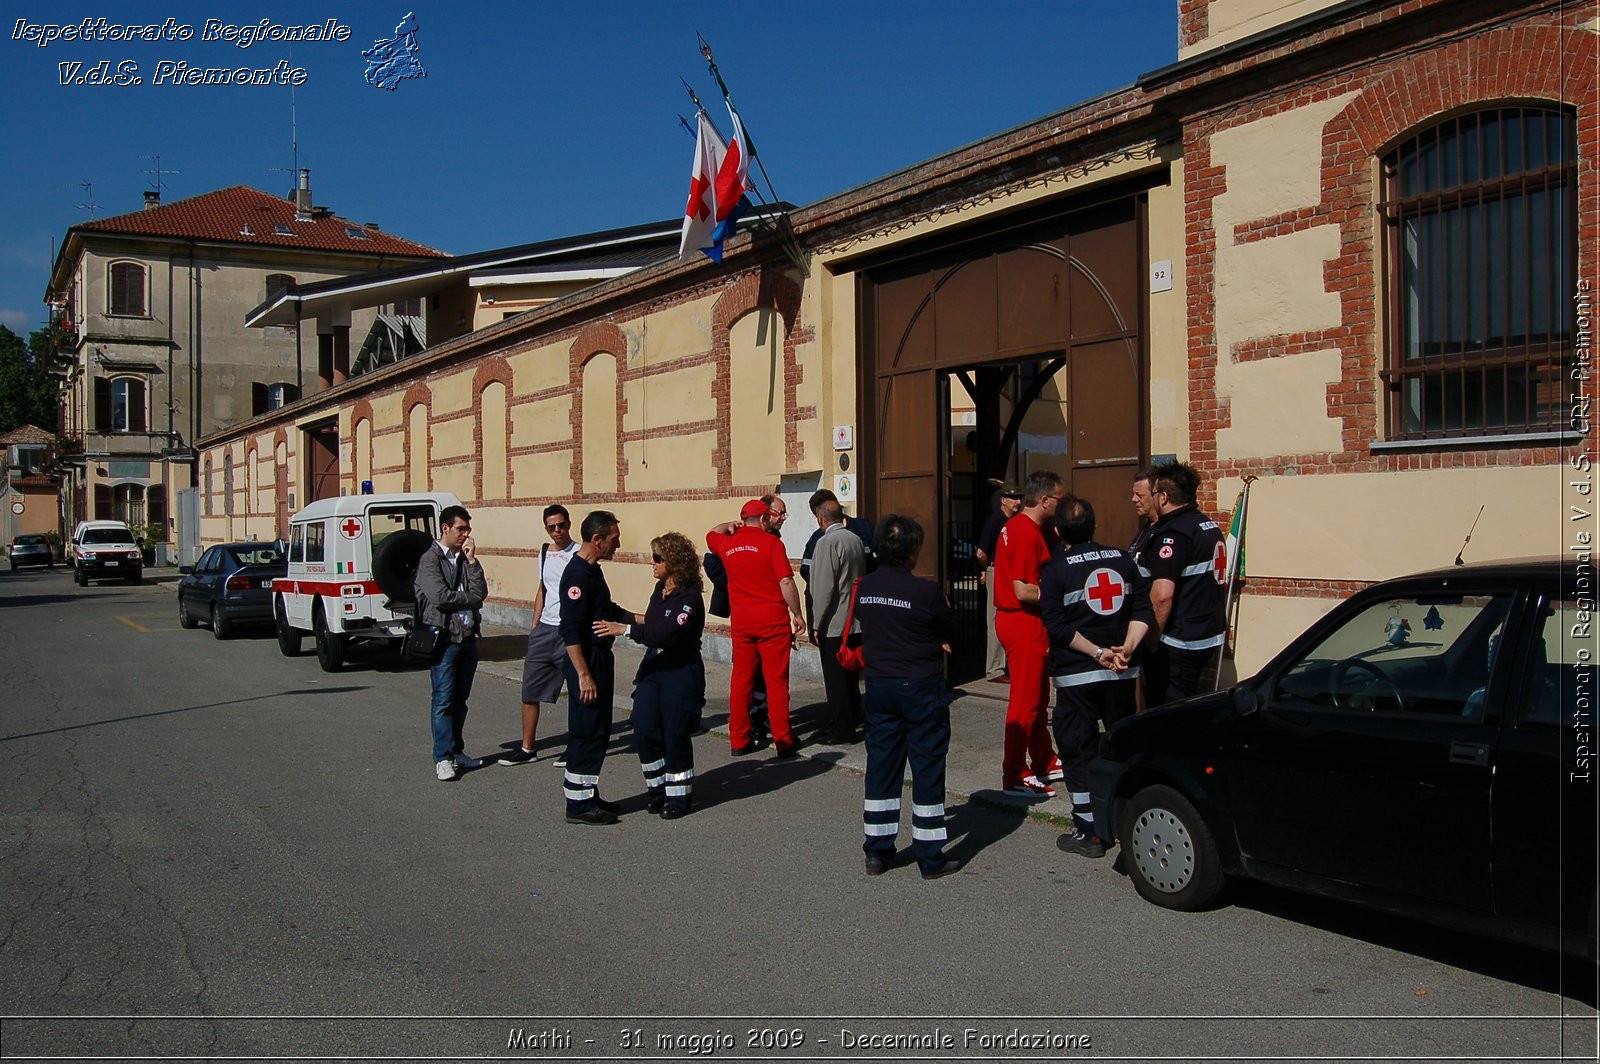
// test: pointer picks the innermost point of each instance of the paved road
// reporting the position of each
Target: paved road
(196, 828)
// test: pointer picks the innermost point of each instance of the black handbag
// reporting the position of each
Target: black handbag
(424, 641)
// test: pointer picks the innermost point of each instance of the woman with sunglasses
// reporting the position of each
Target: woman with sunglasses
(670, 686)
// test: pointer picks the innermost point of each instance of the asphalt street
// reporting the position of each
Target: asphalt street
(211, 850)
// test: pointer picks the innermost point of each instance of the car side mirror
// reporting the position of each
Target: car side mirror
(185, 570)
(1249, 698)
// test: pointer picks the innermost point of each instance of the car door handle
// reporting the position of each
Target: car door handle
(1469, 754)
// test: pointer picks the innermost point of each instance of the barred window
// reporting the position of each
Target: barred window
(1480, 213)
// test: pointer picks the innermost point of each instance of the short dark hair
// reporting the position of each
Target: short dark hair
(598, 523)
(1179, 481)
(897, 541)
(820, 496)
(830, 511)
(1075, 520)
(1146, 474)
(556, 508)
(451, 516)
(1040, 482)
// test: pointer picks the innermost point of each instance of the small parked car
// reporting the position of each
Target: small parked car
(231, 584)
(1426, 749)
(30, 550)
(104, 549)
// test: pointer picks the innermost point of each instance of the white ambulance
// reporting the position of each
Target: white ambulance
(351, 565)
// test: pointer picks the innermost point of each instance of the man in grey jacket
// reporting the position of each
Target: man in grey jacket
(450, 589)
(839, 560)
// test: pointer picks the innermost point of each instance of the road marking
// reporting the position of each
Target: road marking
(136, 627)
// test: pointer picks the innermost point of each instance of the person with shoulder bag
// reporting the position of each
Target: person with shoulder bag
(450, 590)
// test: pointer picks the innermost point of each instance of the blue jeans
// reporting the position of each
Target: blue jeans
(452, 684)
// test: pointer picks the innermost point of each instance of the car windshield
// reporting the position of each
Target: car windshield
(108, 535)
(264, 555)
(30, 541)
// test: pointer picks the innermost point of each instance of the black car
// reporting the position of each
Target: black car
(30, 550)
(1425, 749)
(230, 584)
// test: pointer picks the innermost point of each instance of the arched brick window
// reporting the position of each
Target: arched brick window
(1480, 212)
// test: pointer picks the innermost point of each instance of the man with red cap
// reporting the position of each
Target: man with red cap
(765, 617)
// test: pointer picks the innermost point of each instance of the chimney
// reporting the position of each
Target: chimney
(152, 199)
(302, 198)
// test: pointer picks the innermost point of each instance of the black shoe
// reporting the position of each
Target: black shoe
(611, 807)
(747, 748)
(656, 803)
(877, 864)
(673, 812)
(517, 756)
(950, 867)
(1081, 844)
(786, 753)
(593, 815)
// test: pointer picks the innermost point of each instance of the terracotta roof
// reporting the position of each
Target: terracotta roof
(26, 434)
(243, 215)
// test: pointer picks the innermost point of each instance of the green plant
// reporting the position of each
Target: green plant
(150, 535)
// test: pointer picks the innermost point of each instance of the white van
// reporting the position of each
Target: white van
(352, 561)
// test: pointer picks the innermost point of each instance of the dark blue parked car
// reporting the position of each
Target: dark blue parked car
(231, 584)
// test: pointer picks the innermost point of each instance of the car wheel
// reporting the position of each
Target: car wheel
(1169, 852)
(185, 618)
(288, 637)
(221, 627)
(330, 645)
(134, 578)
(79, 578)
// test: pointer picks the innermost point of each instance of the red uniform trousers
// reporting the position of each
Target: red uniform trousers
(766, 649)
(1027, 646)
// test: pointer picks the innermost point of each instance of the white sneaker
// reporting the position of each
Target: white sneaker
(561, 762)
(445, 770)
(463, 761)
(1030, 787)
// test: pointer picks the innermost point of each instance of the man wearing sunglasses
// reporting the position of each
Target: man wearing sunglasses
(544, 669)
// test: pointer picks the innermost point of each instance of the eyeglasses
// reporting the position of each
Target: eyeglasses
(656, 559)
(557, 524)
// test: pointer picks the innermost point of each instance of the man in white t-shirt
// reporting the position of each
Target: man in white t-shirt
(542, 669)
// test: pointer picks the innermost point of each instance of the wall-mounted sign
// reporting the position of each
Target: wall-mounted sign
(844, 437)
(17, 507)
(845, 488)
(140, 470)
(1161, 276)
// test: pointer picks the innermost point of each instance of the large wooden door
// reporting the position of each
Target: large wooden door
(322, 462)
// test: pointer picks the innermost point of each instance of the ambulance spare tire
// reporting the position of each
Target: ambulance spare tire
(394, 563)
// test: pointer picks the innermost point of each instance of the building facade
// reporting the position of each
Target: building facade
(1341, 249)
(149, 310)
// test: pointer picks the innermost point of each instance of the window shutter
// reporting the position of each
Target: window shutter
(258, 399)
(102, 404)
(136, 406)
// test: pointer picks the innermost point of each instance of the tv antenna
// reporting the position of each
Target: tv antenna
(160, 185)
(88, 192)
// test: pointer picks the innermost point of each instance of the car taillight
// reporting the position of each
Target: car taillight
(238, 583)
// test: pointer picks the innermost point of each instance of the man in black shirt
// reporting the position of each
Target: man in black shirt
(585, 599)
(1187, 561)
(1090, 600)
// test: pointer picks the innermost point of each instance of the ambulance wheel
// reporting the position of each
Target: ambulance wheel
(394, 562)
(330, 645)
(288, 638)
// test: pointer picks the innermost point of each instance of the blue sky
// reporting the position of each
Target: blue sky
(535, 119)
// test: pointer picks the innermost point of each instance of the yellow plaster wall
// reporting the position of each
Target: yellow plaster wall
(421, 449)
(756, 438)
(669, 398)
(679, 463)
(547, 475)
(453, 439)
(547, 421)
(1232, 20)
(1275, 286)
(1373, 526)
(673, 333)
(834, 354)
(1169, 320)
(1268, 623)
(451, 393)
(538, 369)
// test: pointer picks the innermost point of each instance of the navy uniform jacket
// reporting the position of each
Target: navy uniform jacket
(1095, 590)
(671, 628)
(1187, 548)
(586, 598)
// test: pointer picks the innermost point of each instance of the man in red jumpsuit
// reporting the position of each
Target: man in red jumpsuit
(764, 613)
(1025, 546)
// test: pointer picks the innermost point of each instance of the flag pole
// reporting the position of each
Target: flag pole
(785, 230)
(1241, 512)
